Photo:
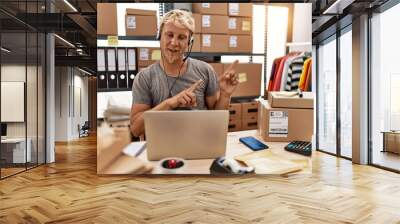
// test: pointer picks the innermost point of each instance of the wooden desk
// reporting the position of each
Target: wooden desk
(235, 148)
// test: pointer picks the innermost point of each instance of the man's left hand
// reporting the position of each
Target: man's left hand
(229, 80)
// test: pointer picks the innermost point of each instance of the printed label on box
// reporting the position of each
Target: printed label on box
(205, 5)
(242, 77)
(144, 54)
(278, 124)
(112, 40)
(156, 55)
(232, 24)
(206, 40)
(233, 8)
(131, 22)
(246, 26)
(206, 22)
(233, 41)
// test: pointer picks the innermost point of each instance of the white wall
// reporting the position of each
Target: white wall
(71, 93)
(302, 26)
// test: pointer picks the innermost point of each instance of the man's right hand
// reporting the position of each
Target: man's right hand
(186, 98)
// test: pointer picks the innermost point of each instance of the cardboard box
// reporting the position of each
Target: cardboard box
(218, 68)
(107, 19)
(210, 8)
(240, 25)
(240, 9)
(148, 56)
(249, 80)
(214, 43)
(140, 22)
(197, 43)
(291, 100)
(214, 24)
(235, 111)
(197, 22)
(391, 142)
(284, 124)
(240, 44)
(235, 125)
(250, 111)
(249, 124)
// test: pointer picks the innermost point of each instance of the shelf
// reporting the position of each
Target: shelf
(145, 38)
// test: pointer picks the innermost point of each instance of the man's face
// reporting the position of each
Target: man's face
(174, 41)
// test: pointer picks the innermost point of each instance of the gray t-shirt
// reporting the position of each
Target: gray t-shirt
(151, 85)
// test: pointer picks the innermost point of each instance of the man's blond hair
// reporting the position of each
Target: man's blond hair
(182, 17)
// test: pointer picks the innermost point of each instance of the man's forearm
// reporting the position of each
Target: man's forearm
(223, 101)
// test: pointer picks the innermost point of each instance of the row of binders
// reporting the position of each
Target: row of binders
(116, 68)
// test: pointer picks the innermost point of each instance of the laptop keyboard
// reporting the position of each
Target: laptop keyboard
(301, 147)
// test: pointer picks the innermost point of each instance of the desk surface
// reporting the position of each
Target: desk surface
(236, 148)
(13, 140)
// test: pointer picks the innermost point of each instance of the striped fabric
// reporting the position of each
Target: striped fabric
(294, 73)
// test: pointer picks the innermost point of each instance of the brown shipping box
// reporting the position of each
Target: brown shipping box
(197, 22)
(240, 25)
(291, 100)
(284, 124)
(214, 24)
(250, 111)
(240, 44)
(235, 125)
(107, 19)
(210, 8)
(249, 80)
(197, 43)
(240, 9)
(148, 56)
(249, 124)
(218, 68)
(140, 22)
(235, 111)
(214, 43)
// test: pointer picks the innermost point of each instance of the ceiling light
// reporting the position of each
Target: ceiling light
(112, 77)
(84, 71)
(5, 50)
(65, 41)
(132, 76)
(70, 5)
(102, 77)
(122, 76)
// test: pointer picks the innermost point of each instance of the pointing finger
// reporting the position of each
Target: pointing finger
(232, 67)
(195, 85)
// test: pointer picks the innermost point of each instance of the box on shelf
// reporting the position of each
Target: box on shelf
(240, 44)
(197, 22)
(235, 111)
(249, 79)
(107, 19)
(240, 25)
(214, 24)
(240, 9)
(210, 8)
(284, 124)
(250, 110)
(140, 22)
(235, 125)
(214, 43)
(291, 100)
(249, 124)
(218, 68)
(196, 43)
(148, 56)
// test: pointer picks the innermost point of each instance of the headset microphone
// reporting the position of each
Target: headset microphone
(190, 48)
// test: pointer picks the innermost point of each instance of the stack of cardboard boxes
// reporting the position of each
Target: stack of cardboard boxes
(286, 117)
(223, 27)
(243, 116)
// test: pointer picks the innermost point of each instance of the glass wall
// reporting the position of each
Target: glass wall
(22, 79)
(385, 89)
(326, 107)
(346, 93)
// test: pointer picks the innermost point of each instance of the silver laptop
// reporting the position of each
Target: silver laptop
(186, 134)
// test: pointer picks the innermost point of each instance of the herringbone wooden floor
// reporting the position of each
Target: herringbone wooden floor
(70, 191)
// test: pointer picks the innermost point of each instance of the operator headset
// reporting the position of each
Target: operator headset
(190, 45)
